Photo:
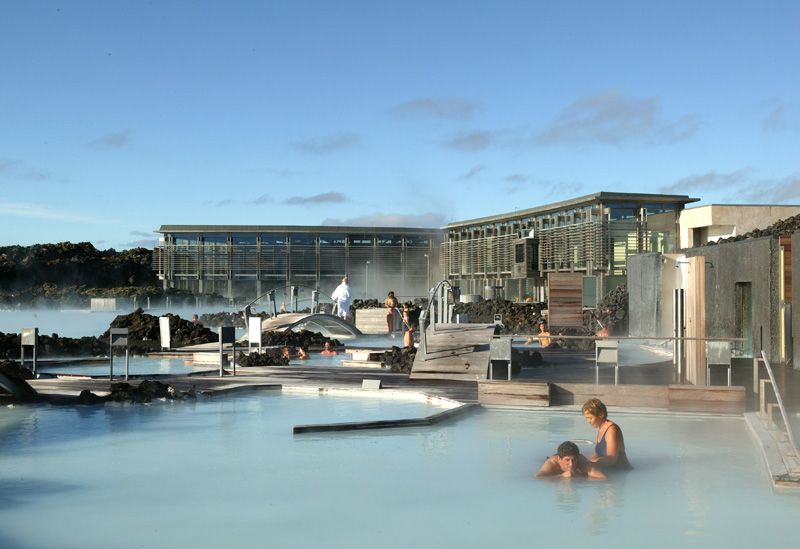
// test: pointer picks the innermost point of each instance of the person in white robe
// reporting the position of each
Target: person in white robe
(341, 295)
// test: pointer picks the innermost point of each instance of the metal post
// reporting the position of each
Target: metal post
(755, 374)
(234, 357)
(314, 301)
(110, 362)
(22, 355)
(219, 331)
(366, 280)
(126, 363)
(427, 271)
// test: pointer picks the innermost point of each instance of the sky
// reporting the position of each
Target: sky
(119, 117)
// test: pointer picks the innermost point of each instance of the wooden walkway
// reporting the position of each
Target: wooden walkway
(454, 351)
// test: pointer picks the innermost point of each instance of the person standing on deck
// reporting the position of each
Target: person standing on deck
(341, 295)
(391, 304)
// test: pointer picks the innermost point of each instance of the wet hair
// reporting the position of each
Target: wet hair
(595, 407)
(567, 448)
(390, 294)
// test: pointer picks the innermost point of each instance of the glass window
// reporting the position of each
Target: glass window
(186, 239)
(215, 238)
(390, 240)
(418, 241)
(303, 239)
(360, 240)
(272, 239)
(244, 239)
(332, 239)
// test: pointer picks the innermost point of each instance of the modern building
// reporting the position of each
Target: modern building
(249, 260)
(514, 254)
(703, 224)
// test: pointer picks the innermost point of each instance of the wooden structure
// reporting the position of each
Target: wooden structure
(681, 398)
(696, 321)
(519, 393)
(454, 351)
(565, 301)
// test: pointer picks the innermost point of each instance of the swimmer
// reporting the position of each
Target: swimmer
(328, 350)
(609, 449)
(568, 462)
(302, 354)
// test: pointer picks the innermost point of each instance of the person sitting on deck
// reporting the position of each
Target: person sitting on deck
(568, 462)
(328, 350)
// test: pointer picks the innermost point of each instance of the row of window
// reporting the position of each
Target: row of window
(613, 211)
(298, 239)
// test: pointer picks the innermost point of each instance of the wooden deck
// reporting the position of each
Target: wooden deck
(454, 351)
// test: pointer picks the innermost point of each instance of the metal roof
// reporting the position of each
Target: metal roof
(575, 202)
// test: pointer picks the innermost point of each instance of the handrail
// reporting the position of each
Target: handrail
(425, 315)
(780, 404)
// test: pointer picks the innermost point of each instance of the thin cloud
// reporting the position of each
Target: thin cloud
(328, 144)
(18, 170)
(7, 165)
(612, 119)
(779, 120)
(32, 174)
(142, 234)
(38, 211)
(545, 189)
(111, 141)
(453, 108)
(708, 181)
(470, 141)
(517, 178)
(472, 173)
(775, 120)
(425, 220)
(263, 199)
(144, 243)
(324, 198)
(223, 203)
(773, 191)
(276, 172)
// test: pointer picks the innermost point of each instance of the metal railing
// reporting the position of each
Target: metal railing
(610, 354)
(438, 304)
(766, 410)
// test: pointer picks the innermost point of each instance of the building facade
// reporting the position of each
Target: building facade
(703, 224)
(247, 261)
(511, 255)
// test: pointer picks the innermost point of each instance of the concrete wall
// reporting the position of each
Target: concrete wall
(753, 261)
(729, 220)
(796, 302)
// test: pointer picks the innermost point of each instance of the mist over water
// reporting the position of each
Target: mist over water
(83, 322)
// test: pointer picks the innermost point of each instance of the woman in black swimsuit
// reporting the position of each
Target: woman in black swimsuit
(609, 450)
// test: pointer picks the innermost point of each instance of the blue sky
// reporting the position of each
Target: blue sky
(118, 117)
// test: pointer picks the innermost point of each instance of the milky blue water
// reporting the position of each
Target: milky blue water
(76, 322)
(228, 472)
(137, 366)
